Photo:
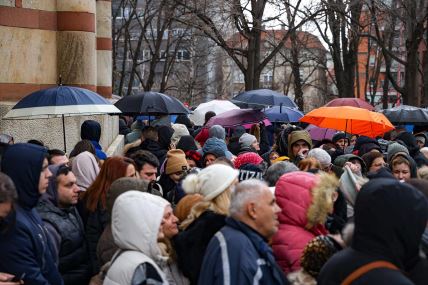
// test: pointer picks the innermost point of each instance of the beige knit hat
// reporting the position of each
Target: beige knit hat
(176, 161)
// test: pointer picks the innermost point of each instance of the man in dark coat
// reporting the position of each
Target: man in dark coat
(64, 225)
(239, 253)
(390, 218)
(91, 130)
(26, 248)
(410, 142)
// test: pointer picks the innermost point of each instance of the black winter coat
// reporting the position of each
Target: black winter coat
(66, 224)
(95, 225)
(383, 210)
(191, 244)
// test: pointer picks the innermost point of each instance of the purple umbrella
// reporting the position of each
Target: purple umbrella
(237, 117)
(318, 134)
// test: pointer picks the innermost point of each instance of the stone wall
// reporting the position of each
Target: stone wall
(45, 40)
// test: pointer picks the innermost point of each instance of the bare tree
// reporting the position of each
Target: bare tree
(404, 20)
(146, 44)
(249, 20)
(341, 34)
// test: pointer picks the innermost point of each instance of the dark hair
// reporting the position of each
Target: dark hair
(142, 157)
(7, 189)
(81, 146)
(209, 115)
(54, 152)
(36, 142)
(63, 170)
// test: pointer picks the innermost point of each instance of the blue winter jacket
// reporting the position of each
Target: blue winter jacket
(25, 246)
(239, 255)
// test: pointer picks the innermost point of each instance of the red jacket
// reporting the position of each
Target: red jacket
(294, 196)
(202, 136)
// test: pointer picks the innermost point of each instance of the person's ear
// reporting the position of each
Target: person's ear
(251, 211)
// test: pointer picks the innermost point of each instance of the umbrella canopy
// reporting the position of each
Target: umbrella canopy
(237, 117)
(263, 98)
(217, 106)
(352, 102)
(61, 100)
(406, 114)
(318, 134)
(150, 103)
(283, 114)
(349, 119)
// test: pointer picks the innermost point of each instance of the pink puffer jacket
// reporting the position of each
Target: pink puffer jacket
(304, 208)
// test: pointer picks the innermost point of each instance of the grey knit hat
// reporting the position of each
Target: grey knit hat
(246, 140)
(321, 155)
(395, 148)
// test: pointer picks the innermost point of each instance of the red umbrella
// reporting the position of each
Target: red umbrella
(353, 102)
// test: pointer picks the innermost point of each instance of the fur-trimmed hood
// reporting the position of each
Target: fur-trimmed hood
(305, 199)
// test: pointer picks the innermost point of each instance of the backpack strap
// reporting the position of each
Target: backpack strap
(366, 268)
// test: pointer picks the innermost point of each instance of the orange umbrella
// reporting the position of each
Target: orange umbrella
(352, 120)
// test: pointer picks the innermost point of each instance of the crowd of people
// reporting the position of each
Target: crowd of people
(189, 204)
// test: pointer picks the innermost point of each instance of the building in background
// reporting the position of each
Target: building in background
(43, 41)
(372, 81)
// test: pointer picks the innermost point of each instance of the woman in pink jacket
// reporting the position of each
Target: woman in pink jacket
(305, 200)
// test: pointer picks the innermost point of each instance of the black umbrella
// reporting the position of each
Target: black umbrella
(261, 98)
(406, 114)
(150, 103)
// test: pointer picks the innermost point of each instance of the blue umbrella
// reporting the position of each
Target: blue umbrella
(283, 114)
(263, 98)
(61, 101)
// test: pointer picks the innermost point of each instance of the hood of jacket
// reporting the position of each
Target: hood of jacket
(216, 143)
(90, 130)
(390, 218)
(297, 136)
(86, 169)
(23, 163)
(180, 130)
(165, 134)
(410, 141)
(154, 147)
(51, 194)
(303, 198)
(136, 219)
(413, 166)
(186, 143)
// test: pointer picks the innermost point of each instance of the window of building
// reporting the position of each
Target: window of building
(183, 54)
(372, 60)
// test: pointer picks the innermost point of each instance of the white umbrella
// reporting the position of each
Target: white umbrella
(217, 106)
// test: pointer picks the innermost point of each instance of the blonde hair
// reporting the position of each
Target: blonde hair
(423, 172)
(219, 205)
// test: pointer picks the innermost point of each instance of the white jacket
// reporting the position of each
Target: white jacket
(136, 219)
